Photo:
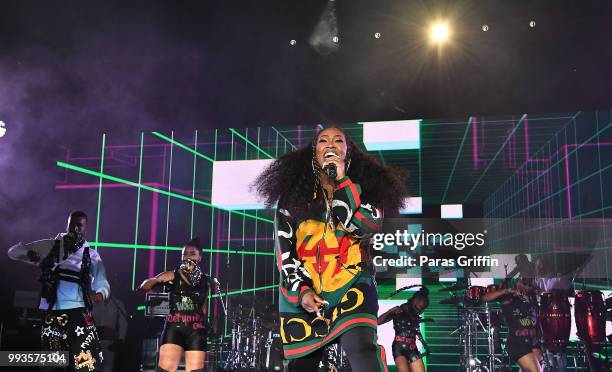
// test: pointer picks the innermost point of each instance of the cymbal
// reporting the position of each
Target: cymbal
(450, 301)
(454, 288)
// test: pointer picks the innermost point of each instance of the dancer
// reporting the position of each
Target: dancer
(519, 309)
(331, 197)
(406, 323)
(185, 328)
(70, 270)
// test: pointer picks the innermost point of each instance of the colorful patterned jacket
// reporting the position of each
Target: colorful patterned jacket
(314, 256)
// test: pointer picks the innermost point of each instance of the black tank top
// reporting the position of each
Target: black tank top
(186, 299)
(520, 315)
(406, 322)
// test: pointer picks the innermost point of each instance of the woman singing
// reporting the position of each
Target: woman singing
(518, 307)
(406, 323)
(184, 329)
(331, 198)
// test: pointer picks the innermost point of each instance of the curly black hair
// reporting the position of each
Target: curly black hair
(291, 181)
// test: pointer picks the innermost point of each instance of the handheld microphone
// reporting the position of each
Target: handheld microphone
(331, 171)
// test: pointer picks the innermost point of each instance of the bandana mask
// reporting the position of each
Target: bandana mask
(193, 271)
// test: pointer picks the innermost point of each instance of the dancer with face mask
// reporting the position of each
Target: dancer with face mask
(185, 329)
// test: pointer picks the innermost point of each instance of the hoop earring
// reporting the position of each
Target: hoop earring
(314, 173)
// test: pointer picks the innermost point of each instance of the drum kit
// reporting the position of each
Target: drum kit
(256, 343)
(255, 340)
(554, 317)
(477, 317)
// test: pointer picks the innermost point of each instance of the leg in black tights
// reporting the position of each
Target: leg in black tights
(362, 350)
(308, 363)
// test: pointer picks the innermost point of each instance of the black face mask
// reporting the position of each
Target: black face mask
(195, 274)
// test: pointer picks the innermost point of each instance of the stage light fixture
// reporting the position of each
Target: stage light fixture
(532, 24)
(485, 28)
(335, 39)
(292, 42)
(377, 35)
(2, 129)
(439, 32)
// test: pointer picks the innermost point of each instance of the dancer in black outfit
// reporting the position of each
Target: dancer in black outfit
(406, 322)
(185, 328)
(519, 309)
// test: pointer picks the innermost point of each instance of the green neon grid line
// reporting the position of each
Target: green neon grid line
(193, 181)
(184, 147)
(251, 143)
(256, 224)
(153, 189)
(137, 212)
(246, 155)
(550, 167)
(601, 194)
(285, 138)
(420, 169)
(100, 187)
(212, 215)
(212, 226)
(229, 236)
(168, 201)
(245, 291)
(555, 137)
(503, 145)
(452, 173)
(276, 146)
(172, 248)
(229, 224)
(561, 191)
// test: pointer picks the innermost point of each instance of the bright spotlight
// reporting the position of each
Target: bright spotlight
(439, 32)
(2, 129)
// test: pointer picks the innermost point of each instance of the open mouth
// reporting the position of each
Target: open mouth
(329, 155)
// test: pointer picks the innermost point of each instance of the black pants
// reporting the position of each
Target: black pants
(72, 330)
(360, 347)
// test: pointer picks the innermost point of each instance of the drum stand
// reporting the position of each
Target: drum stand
(244, 352)
(469, 331)
(492, 358)
(468, 335)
